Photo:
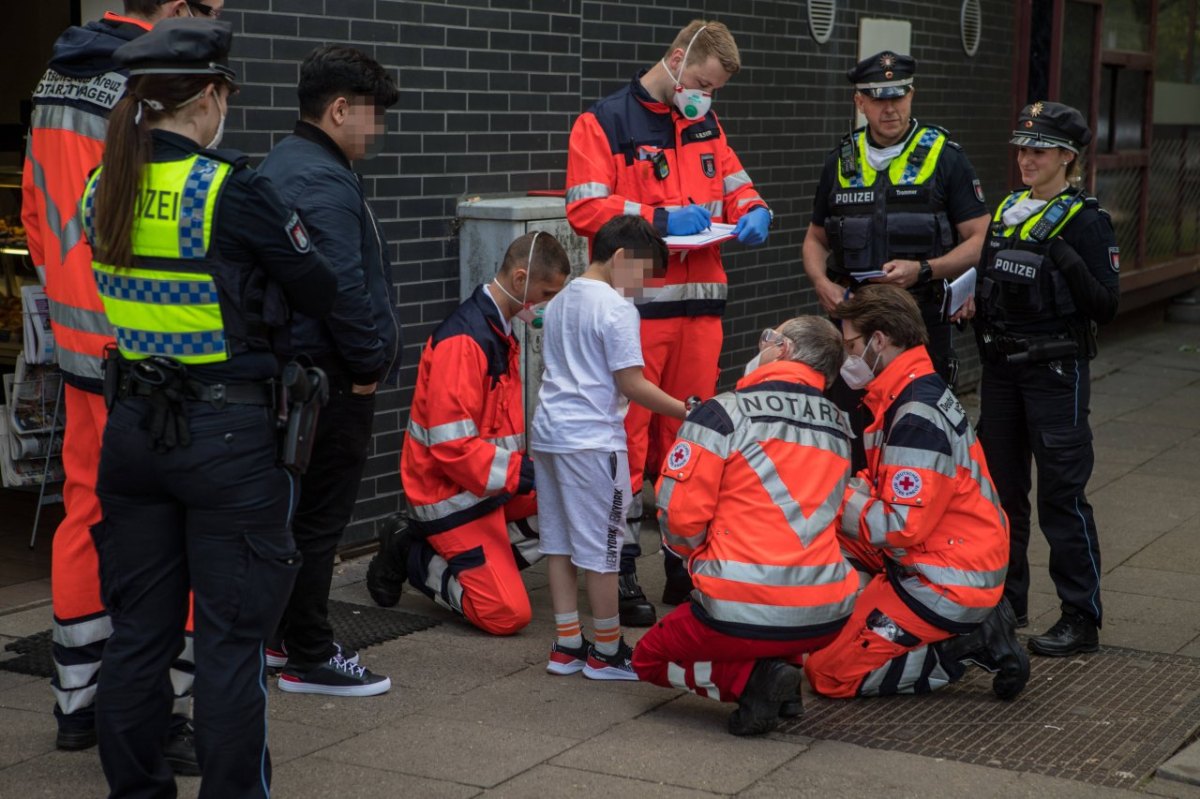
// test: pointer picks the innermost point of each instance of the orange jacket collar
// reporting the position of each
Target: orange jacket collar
(141, 23)
(908, 366)
(790, 371)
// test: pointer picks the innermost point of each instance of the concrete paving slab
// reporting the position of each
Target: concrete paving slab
(535, 701)
(347, 714)
(1176, 551)
(1159, 786)
(553, 781)
(34, 593)
(26, 622)
(676, 744)
(1133, 431)
(25, 734)
(316, 776)
(57, 775)
(32, 694)
(1183, 767)
(833, 769)
(1143, 635)
(289, 740)
(13, 679)
(444, 749)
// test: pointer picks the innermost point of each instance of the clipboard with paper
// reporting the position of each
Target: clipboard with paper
(715, 234)
(957, 293)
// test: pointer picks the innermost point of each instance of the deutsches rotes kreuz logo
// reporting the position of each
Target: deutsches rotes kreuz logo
(906, 484)
(680, 455)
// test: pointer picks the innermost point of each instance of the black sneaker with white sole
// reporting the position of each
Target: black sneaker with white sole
(277, 654)
(336, 677)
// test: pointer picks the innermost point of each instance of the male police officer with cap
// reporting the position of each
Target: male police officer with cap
(896, 197)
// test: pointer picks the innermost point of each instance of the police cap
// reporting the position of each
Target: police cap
(1044, 124)
(180, 46)
(884, 76)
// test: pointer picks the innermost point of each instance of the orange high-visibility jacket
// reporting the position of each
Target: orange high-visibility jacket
(750, 495)
(66, 141)
(464, 451)
(611, 170)
(926, 498)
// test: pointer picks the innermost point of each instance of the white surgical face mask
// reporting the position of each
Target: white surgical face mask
(220, 134)
(692, 103)
(855, 370)
(753, 364)
(529, 311)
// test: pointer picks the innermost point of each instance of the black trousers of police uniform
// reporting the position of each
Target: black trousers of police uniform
(213, 517)
(328, 491)
(1040, 410)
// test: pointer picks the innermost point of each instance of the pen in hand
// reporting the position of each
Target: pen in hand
(709, 225)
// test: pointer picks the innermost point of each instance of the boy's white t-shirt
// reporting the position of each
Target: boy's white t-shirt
(590, 331)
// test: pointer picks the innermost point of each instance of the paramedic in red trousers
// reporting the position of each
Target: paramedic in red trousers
(923, 520)
(466, 473)
(749, 496)
(655, 149)
(70, 117)
(344, 95)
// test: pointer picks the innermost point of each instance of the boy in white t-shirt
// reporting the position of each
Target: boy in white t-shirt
(593, 354)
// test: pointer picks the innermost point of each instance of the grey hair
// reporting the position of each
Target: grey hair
(815, 342)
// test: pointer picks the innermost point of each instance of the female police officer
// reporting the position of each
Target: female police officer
(194, 256)
(1047, 276)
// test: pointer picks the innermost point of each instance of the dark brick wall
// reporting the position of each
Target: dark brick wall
(490, 88)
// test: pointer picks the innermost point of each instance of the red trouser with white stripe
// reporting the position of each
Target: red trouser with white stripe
(681, 355)
(683, 652)
(885, 648)
(81, 624)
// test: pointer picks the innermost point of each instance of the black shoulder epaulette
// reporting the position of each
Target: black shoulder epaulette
(938, 128)
(236, 158)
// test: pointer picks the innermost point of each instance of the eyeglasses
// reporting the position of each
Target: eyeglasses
(770, 338)
(846, 342)
(204, 8)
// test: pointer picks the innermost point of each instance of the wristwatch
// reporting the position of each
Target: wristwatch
(691, 403)
(924, 273)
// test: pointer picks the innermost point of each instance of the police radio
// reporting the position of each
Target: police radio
(1050, 220)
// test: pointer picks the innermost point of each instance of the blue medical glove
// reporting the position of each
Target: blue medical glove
(751, 229)
(688, 220)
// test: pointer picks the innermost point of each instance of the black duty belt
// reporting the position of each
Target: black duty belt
(217, 394)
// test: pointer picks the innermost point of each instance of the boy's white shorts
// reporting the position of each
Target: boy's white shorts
(582, 501)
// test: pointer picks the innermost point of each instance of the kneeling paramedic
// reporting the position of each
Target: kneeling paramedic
(749, 495)
(196, 258)
(466, 474)
(922, 520)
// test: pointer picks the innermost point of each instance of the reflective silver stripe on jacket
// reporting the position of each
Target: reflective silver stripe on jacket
(735, 181)
(512, 443)
(70, 118)
(806, 528)
(928, 459)
(587, 191)
(81, 319)
(79, 363)
(774, 615)
(68, 233)
(681, 292)
(761, 574)
(442, 433)
(440, 510)
(632, 208)
(664, 520)
(498, 473)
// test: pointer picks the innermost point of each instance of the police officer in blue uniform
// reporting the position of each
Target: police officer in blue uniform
(196, 259)
(897, 199)
(1047, 277)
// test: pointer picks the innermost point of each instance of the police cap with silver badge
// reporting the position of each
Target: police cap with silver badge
(884, 76)
(180, 46)
(1043, 125)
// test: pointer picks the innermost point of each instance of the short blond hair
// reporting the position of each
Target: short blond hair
(714, 40)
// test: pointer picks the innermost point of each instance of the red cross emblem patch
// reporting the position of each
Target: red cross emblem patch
(906, 484)
(681, 453)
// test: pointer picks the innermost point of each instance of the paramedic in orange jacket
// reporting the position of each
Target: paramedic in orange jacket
(66, 140)
(464, 466)
(749, 495)
(654, 149)
(922, 519)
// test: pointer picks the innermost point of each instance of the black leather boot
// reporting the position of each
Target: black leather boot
(635, 610)
(388, 570)
(772, 684)
(1073, 632)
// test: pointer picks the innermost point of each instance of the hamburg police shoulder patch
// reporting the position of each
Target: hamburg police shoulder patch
(1114, 258)
(978, 189)
(298, 234)
(906, 484)
(708, 162)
